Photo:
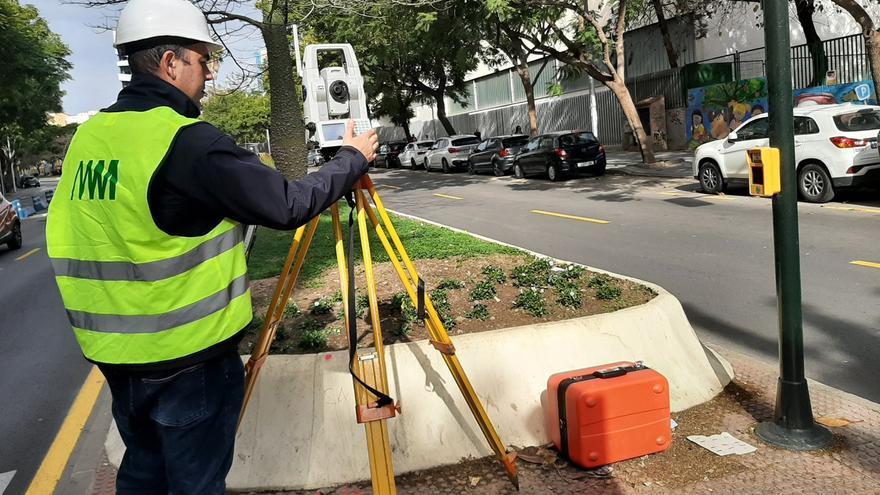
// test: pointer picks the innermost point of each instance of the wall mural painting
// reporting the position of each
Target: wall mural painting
(715, 111)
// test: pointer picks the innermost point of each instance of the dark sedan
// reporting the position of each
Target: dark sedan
(496, 154)
(27, 181)
(388, 155)
(559, 155)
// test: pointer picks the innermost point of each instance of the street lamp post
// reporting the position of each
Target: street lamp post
(792, 427)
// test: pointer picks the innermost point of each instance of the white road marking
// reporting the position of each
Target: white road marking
(5, 480)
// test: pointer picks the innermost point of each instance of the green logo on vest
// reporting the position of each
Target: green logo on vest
(90, 178)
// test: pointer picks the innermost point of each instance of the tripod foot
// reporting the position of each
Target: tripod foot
(509, 462)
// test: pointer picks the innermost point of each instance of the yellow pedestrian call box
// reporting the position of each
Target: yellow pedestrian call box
(764, 174)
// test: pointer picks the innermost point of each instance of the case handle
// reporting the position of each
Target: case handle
(611, 372)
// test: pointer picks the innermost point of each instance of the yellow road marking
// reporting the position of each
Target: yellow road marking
(671, 193)
(850, 208)
(865, 263)
(25, 255)
(571, 217)
(715, 196)
(388, 186)
(56, 459)
(446, 196)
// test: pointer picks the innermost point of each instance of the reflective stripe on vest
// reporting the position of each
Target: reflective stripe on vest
(133, 293)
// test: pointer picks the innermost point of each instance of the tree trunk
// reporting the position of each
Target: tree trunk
(805, 9)
(441, 114)
(406, 130)
(664, 30)
(872, 48)
(286, 127)
(872, 38)
(522, 70)
(632, 117)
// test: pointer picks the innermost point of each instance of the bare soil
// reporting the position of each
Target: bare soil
(308, 330)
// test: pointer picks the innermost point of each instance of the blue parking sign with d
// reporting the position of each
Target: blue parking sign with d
(863, 92)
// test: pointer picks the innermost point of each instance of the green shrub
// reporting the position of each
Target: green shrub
(408, 314)
(480, 312)
(568, 294)
(495, 274)
(532, 274)
(291, 311)
(531, 301)
(572, 273)
(599, 280)
(323, 306)
(440, 299)
(450, 283)
(362, 302)
(313, 337)
(608, 292)
(483, 291)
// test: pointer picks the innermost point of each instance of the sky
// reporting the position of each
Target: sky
(94, 81)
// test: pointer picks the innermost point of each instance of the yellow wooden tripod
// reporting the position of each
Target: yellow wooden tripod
(369, 364)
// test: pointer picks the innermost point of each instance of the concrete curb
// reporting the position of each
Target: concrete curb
(673, 172)
(300, 430)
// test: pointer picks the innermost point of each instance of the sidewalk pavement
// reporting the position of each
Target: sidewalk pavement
(669, 164)
(850, 466)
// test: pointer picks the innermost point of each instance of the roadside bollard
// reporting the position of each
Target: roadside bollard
(39, 203)
(16, 205)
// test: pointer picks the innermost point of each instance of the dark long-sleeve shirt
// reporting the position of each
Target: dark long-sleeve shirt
(205, 178)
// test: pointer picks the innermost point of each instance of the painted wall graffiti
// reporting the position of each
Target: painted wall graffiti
(715, 111)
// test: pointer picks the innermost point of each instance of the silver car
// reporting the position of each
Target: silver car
(414, 154)
(451, 152)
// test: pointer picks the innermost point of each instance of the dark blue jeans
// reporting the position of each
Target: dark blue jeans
(178, 427)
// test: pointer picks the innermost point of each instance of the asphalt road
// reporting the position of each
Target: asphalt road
(42, 368)
(715, 253)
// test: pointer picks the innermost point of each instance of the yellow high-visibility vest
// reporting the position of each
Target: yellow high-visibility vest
(133, 293)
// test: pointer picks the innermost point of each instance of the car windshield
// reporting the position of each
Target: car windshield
(863, 120)
(515, 141)
(398, 146)
(466, 141)
(425, 145)
(578, 138)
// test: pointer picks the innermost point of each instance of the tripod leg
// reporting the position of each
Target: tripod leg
(302, 239)
(440, 337)
(369, 365)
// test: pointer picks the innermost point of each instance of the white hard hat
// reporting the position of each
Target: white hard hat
(144, 19)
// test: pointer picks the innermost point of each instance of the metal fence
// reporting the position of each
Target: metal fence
(845, 55)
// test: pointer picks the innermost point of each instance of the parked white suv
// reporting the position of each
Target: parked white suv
(835, 147)
(451, 152)
(414, 154)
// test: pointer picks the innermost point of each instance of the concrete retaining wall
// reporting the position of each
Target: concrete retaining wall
(300, 429)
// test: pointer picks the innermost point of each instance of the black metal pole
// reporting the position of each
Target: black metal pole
(792, 427)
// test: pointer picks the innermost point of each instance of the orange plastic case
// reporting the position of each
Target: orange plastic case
(600, 415)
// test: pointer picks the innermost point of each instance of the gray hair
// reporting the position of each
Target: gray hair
(147, 61)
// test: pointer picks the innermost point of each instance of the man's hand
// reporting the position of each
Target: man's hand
(366, 143)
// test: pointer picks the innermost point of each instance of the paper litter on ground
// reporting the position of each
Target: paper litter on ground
(722, 444)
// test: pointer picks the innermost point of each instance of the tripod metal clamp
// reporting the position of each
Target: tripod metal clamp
(374, 412)
(444, 347)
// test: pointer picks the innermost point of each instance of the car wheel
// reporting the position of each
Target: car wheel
(598, 170)
(814, 184)
(518, 171)
(499, 172)
(15, 242)
(412, 162)
(471, 170)
(710, 178)
(427, 169)
(444, 165)
(553, 173)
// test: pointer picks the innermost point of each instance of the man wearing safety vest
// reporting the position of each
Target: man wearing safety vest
(145, 237)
